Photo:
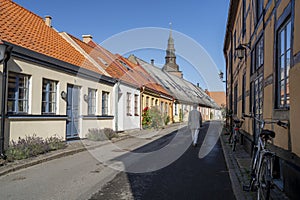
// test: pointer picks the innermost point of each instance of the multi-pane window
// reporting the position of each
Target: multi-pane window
(244, 93)
(244, 18)
(136, 105)
(161, 107)
(105, 98)
(128, 103)
(235, 99)
(18, 93)
(259, 8)
(49, 96)
(175, 109)
(257, 56)
(92, 101)
(283, 65)
(147, 101)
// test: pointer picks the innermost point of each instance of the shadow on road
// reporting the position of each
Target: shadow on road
(188, 177)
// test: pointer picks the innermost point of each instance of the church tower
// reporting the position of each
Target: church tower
(170, 65)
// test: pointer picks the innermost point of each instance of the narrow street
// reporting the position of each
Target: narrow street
(189, 177)
(81, 176)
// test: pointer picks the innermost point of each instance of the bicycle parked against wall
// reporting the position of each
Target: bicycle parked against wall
(262, 161)
(235, 133)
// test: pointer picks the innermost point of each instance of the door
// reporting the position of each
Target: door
(73, 109)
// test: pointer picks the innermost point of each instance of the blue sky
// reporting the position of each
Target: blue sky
(203, 21)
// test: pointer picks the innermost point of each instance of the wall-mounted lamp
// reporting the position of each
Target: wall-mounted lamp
(5, 53)
(85, 98)
(221, 75)
(63, 95)
(241, 49)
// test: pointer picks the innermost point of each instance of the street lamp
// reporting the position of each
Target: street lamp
(221, 75)
(5, 52)
(240, 50)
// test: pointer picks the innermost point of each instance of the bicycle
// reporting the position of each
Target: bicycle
(234, 134)
(262, 161)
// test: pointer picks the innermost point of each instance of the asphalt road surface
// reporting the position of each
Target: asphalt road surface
(194, 175)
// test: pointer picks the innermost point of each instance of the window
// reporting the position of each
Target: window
(234, 44)
(257, 56)
(124, 64)
(49, 97)
(147, 101)
(92, 101)
(283, 65)
(244, 93)
(128, 104)
(161, 107)
(136, 105)
(259, 53)
(235, 99)
(18, 93)
(175, 109)
(105, 96)
(244, 18)
(152, 102)
(166, 108)
(259, 8)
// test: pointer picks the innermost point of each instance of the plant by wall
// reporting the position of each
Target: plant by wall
(156, 118)
(31, 146)
(96, 134)
(146, 118)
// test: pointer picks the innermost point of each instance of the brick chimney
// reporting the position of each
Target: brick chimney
(48, 20)
(87, 38)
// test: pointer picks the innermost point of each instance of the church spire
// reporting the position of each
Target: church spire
(170, 65)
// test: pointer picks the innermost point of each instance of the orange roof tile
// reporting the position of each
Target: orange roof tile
(24, 28)
(127, 72)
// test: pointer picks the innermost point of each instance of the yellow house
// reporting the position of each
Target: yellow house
(264, 79)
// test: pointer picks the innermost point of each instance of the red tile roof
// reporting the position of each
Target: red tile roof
(24, 28)
(127, 72)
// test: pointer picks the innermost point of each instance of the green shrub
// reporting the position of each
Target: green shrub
(146, 118)
(55, 143)
(101, 134)
(31, 146)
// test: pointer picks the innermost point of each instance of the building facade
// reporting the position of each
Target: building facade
(52, 89)
(264, 79)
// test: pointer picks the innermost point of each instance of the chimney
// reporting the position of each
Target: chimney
(87, 38)
(48, 20)
(152, 61)
(198, 85)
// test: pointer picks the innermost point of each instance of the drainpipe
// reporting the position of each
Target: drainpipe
(141, 106)
(116, 106)
(7, 55)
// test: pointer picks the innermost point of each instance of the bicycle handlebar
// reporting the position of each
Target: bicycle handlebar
(262, 121)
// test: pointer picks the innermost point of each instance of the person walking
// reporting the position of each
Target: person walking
(194, 124)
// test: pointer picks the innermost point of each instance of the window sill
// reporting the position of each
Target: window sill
(97, 117)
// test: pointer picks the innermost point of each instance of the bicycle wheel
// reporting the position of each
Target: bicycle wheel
(264, 179)
(253, 169)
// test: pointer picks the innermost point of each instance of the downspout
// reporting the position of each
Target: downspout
(3, 103)
(141, 106)
(116, 106)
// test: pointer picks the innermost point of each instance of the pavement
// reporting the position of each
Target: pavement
(238, 163)
(77, 146)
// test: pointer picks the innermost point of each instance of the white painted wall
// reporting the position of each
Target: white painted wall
(125, 122)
